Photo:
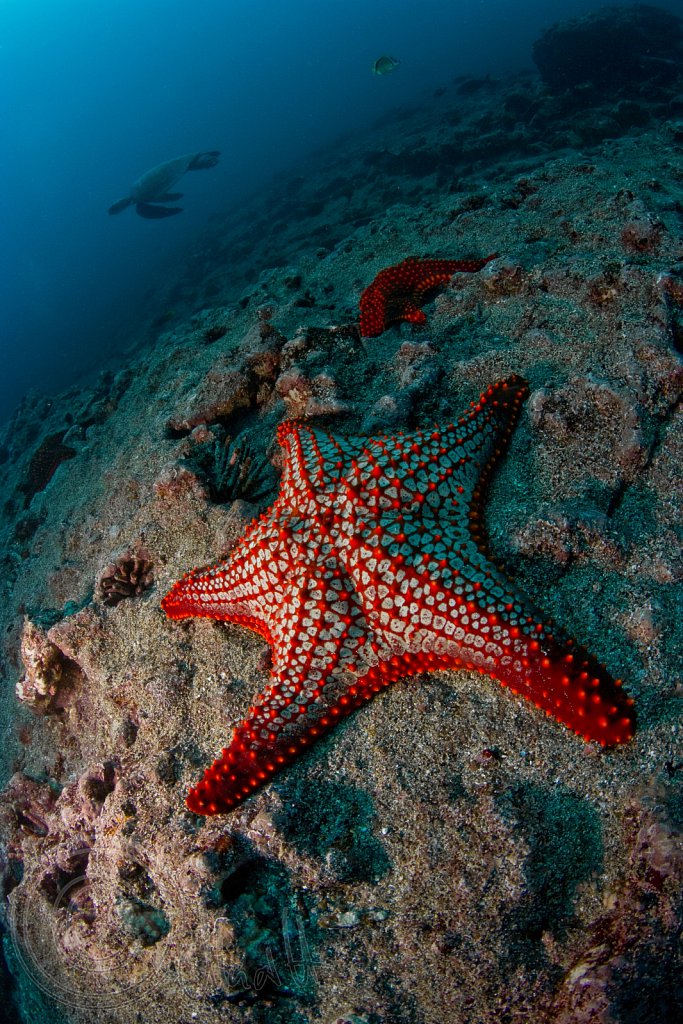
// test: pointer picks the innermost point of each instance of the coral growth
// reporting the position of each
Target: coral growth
(27, 807)
(305, 397)
(129, 576)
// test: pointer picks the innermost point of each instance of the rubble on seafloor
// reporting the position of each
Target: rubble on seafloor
(449, 853)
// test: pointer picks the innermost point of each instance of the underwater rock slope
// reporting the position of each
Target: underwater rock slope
(449, 853)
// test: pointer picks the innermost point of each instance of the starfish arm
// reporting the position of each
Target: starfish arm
(507, 637)
(416, 553)
(564, 680)
(277, 729)
(430, 618)
(398, 292)
(436, 477)
(315, 463)
(412, 314)
(326, 671)
(249, 588)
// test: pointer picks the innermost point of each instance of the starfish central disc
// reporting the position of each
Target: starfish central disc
(370, 565)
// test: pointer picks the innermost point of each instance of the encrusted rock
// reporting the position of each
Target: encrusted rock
(177, 483)
(29, 804)
(410, 359)
(610, 47)
(562, 540)
(641, 233)
(223, 392)
(305, 397)
(309, 341)
(80, 803)
(503, 277)
(597, 427)
(42, 685)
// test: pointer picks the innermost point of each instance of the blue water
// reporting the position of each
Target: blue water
(93, 94)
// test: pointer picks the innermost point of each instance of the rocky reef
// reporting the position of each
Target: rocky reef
(449, 853)
(614, 48)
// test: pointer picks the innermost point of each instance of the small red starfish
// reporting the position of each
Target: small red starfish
(398, 292)
(369, 566)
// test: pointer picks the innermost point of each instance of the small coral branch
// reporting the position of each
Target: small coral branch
(129, 576)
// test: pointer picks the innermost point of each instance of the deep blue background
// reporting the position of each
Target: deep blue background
(92, 94)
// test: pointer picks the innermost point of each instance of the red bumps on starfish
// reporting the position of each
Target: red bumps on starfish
(370, 566)
(398, 292)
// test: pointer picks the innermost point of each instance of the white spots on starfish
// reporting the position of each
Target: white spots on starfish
(494, 650)
(425, 617)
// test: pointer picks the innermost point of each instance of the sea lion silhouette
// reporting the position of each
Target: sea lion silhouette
(152, 188)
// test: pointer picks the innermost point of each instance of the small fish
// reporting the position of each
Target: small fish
(384, 65)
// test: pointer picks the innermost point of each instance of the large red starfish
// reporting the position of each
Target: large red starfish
(370, 565)
(398, 292)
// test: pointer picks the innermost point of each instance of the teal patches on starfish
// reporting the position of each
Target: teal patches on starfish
(369, 566)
